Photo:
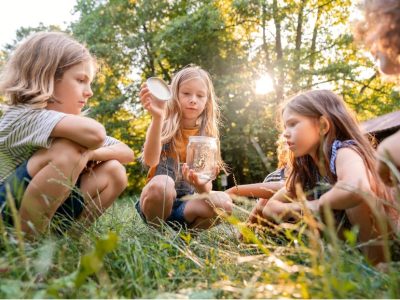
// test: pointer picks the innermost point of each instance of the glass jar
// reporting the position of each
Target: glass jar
(202, 157)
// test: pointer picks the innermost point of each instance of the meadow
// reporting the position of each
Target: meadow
(121, 257)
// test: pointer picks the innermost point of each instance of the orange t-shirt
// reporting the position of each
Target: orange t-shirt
(181, 148)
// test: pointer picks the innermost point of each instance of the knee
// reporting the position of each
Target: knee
(160, 191)
(117, 173)
(64, 152)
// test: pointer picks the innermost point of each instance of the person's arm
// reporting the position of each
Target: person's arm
(280, 208)
(152, 145)
(82, 130)
(389, 148)
(352, 182)
(256, 190)
(120, 152)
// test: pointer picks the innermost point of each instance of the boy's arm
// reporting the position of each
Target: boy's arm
(81, 130)
(256, 190)
(119, 151)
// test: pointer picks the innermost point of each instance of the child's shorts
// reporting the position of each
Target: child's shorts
(176, 219)
(18, 182)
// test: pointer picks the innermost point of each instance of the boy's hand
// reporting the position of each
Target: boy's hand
(155, 107)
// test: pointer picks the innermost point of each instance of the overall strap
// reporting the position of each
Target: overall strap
(335, 148)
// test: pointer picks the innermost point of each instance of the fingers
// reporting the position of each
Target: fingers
(193, 179)
(188, 174)
(145, 95)
(253, 216)
(143, 90)
(256, 212)
(185, 170)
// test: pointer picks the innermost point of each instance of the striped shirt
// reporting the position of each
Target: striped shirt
(23, 131)
(277, 175)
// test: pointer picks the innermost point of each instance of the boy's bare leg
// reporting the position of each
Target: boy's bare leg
(54, 171)
(100, 187)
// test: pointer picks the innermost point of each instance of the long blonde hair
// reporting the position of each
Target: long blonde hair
(29, 75)
(209, 119)
(343, 126)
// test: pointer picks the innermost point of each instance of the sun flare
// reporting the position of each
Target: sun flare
(264, 85)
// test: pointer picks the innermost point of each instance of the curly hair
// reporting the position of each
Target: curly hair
(380, 29)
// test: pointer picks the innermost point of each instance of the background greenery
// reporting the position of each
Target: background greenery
(302, 44)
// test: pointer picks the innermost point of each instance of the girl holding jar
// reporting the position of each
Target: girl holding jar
(191, 111)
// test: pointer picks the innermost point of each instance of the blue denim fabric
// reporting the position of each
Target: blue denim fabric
(176, 217)
(19, 181)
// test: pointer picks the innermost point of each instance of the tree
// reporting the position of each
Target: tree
(301, 44)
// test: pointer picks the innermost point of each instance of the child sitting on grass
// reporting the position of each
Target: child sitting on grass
(327, 148)
(46, 146)
(192, 111)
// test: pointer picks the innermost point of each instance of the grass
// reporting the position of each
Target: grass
(146, 263)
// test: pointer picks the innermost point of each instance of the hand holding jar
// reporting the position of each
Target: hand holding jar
(201, 160)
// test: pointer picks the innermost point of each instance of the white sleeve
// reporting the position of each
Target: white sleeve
(34, 128)
(110, 141)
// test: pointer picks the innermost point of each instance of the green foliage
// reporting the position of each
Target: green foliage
(301, 44)
(92, 263)
(148, 263)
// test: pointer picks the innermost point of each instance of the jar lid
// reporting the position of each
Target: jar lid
(159, 88)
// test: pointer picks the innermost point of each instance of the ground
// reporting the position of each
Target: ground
(120, 256)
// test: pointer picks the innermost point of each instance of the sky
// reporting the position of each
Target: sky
(29, 13)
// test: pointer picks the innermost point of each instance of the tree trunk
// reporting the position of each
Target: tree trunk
(268, 63)
(299, 32)
(313, 48)
(147, 44)
(279, 52)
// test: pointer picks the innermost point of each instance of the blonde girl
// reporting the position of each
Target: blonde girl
(192, 111)
(55, 162)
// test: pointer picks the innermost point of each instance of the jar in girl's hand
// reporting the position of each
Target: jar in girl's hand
(202, 157)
